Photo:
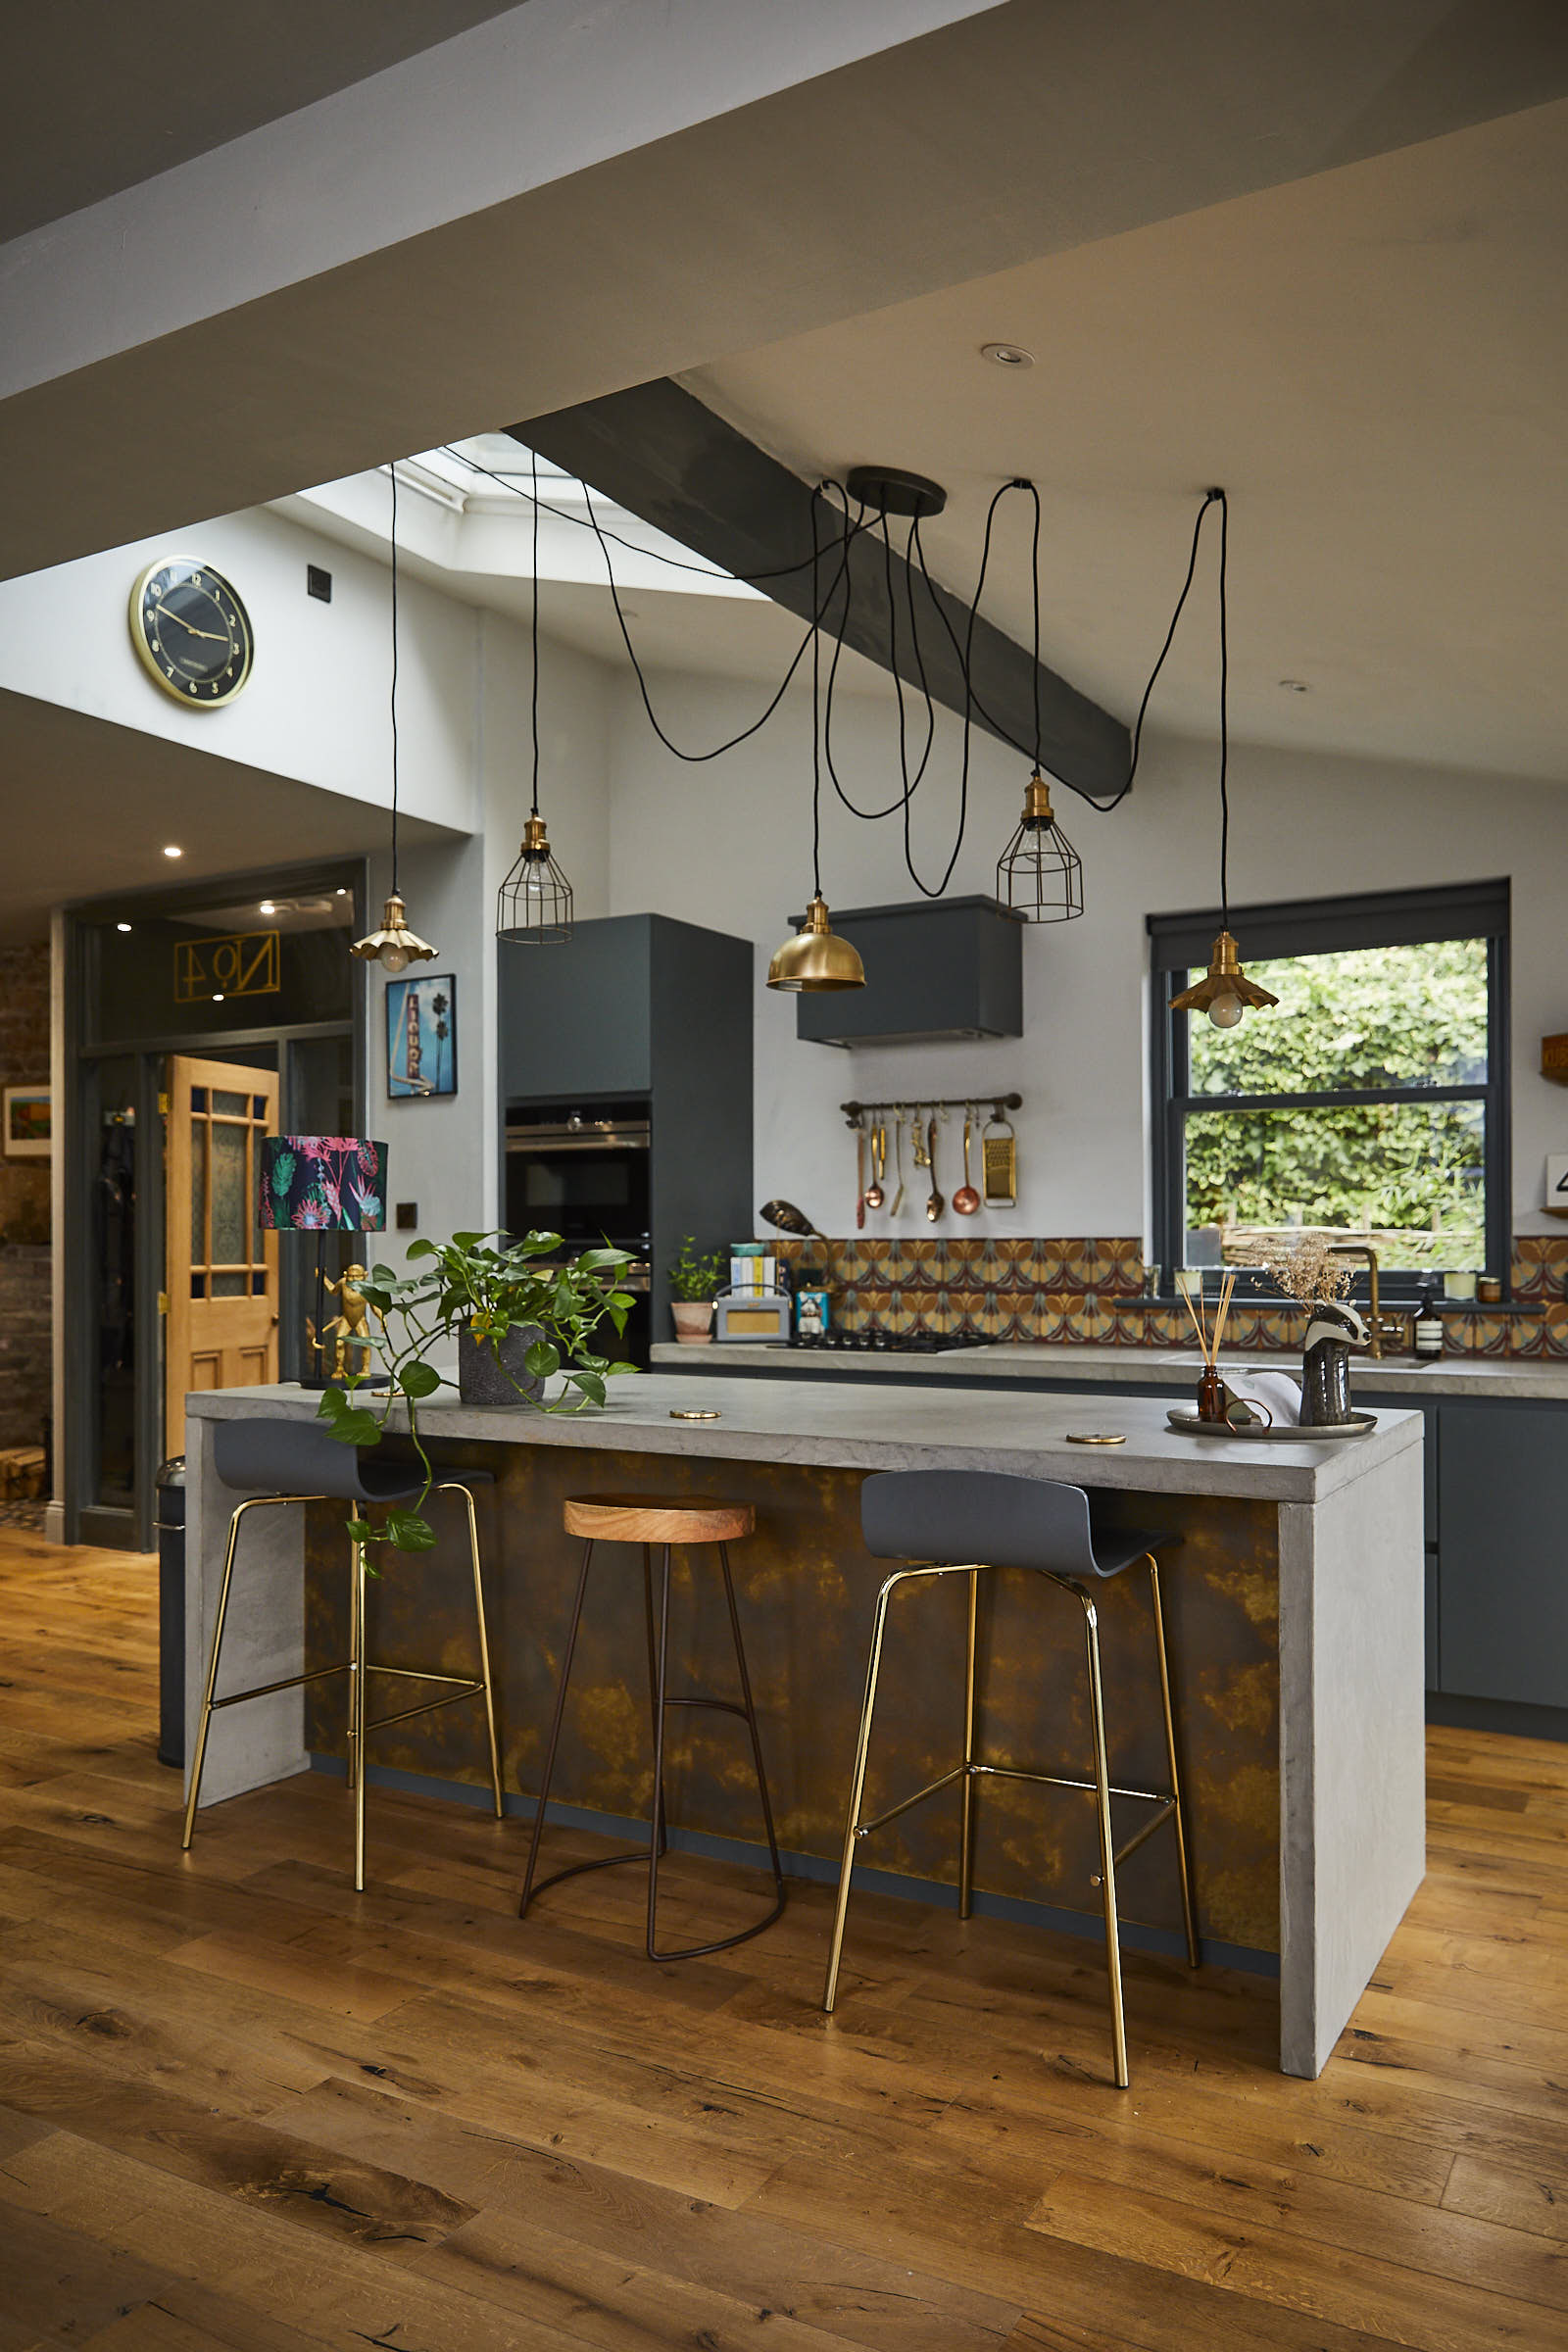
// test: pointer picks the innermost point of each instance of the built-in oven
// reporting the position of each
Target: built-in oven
(581, 1169)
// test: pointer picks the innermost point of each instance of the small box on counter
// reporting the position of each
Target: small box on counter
(753, 1274)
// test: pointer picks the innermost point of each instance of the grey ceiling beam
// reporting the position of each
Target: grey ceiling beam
(656, 451)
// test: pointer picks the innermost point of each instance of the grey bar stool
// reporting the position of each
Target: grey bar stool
(967, 1523)
(283, 1461)
(665, 1521)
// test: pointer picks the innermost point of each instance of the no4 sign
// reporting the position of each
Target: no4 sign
(1556, 1201)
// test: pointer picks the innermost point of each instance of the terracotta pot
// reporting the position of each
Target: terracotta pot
(694, 1321)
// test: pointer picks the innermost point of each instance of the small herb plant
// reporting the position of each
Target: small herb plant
(481, 1282)
(693, 1277)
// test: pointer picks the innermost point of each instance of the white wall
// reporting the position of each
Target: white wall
(727, 844)
(317, 705)
(444, 1153)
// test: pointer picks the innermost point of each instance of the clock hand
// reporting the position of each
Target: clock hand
(167, 612)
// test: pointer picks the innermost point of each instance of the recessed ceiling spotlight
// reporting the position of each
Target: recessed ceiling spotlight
(172, 850)
(218, 996)
(267, 907)
(1296, 686)
(1007, 355)
(342, 891)
(121, 926)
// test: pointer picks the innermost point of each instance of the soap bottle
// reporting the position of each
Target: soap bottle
(1427, 1325)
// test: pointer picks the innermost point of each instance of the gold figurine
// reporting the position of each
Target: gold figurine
(350, 1327)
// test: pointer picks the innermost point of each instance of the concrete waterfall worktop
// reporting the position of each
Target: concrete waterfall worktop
(1021, 1361)
(1332, 1553)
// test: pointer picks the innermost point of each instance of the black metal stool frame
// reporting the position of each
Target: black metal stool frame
(660, 1701)
(1166, 1801)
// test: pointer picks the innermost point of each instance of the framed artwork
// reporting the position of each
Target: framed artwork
(422, 1036)
(28, 1122)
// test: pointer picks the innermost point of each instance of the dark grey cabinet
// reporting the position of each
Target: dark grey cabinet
(1502, 1486)
(943, 968)
(650, 1012)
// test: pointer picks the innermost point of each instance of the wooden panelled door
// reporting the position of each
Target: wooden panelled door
(219, 1272)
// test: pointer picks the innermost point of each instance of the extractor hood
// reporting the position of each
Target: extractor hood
(935, 970)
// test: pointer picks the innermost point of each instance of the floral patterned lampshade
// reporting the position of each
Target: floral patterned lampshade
(322, 1184)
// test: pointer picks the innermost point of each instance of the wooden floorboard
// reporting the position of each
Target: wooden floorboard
(244, 2110)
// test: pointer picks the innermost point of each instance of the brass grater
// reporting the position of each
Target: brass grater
(999, 1153)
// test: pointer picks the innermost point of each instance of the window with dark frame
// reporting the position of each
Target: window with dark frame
(1372, 1103)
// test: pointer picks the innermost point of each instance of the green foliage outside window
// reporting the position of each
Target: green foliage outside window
(1409, 1174)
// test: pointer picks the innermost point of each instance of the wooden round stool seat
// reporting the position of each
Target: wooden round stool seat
(657, 1519)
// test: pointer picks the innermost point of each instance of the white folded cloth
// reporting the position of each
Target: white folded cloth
(1276, 1391)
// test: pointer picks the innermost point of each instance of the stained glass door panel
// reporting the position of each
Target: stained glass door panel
(221, 1272)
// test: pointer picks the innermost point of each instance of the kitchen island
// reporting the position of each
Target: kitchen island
(1295, 1606)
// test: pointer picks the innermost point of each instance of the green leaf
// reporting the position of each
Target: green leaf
(542, 1360)
(361, 1531)
(590, 1383)
(409, 1531)
(421, 1249)
(418, 1379)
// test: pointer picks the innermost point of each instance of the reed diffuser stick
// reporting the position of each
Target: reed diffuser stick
(1183, 1286)
(1227, 1292)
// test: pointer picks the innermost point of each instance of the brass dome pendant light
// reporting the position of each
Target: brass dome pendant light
(1224, 993)
(1039, 875)
(533, 905)
(394, 947)
(815, 959)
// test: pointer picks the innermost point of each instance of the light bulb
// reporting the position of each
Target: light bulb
(393, 959)
(1225, 1011)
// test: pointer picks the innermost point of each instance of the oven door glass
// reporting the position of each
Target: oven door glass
(583, 1196)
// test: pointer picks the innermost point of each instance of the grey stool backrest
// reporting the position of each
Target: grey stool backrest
(986, 1516)
(274, 1456)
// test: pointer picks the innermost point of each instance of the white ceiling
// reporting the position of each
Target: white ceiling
(90, 806)
(149, 92)
(1373, 361)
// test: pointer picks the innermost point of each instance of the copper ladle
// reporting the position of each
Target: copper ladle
(965, 1200)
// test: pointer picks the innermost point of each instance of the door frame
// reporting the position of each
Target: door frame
(85, 1519)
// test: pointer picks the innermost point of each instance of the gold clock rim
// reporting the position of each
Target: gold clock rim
(138, 639)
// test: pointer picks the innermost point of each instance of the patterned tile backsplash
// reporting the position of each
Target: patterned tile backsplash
(1093, 1289)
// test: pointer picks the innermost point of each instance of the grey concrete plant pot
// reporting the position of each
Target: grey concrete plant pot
(482, 1381)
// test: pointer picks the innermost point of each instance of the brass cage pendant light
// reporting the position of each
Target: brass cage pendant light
(1039, 875)
(533, 905)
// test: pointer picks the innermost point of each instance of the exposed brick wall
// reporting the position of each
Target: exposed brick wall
(25, 1255)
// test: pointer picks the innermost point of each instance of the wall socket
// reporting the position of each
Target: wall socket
(408, 1217)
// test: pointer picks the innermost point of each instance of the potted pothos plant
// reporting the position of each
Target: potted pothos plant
(519, 1325)
(693, 1281)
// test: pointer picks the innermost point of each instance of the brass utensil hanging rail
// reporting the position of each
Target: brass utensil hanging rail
(855, 1112)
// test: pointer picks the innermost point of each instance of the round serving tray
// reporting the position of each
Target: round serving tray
(1251, 1434)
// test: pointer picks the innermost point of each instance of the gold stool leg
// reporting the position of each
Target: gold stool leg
(212, 1674)
(361, 1708)
(966, 1836)
(1107, 1848)
(354, 1651)
(456, 1484)
(1184, 1867)
(830, 1990)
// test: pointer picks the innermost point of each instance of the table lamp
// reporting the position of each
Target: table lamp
(322, 1184)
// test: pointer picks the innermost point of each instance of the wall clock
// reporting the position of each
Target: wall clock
(191, 631)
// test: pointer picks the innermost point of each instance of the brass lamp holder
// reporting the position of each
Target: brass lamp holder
(394, 945)
(815, 959)
(1224, 978)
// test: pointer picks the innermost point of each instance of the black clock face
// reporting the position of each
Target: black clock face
(192, 632)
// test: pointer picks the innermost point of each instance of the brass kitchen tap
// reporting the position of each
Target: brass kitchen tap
(1381, 1327)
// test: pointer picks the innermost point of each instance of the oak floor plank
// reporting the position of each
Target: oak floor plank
(1273, 2264)
(273, 2116)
